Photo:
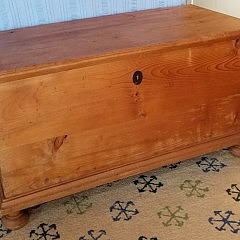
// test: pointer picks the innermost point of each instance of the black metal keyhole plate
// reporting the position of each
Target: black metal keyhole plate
(137, 77)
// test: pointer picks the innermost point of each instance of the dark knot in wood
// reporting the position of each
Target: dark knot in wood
(237, 44)
(58, 142)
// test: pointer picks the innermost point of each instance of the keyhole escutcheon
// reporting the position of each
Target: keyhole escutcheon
(137, 77)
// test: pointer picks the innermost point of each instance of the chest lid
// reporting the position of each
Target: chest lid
(50, 48)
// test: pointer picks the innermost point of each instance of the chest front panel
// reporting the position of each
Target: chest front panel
(64, 126)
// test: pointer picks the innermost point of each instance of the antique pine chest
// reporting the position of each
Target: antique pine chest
(86, 102)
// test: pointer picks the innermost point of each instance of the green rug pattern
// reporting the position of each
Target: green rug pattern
(198, 199)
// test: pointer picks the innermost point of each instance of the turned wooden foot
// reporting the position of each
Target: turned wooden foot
(235, 150)
(15, 220)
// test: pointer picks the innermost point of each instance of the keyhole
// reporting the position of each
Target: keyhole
(137, 77)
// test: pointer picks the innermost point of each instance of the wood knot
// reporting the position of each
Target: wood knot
(237, 44)
(142, 114)
(58, 142)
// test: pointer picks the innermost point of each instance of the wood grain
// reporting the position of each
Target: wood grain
(235, 150)
(45, 107)
(63, 46)
(10, 205)
(71, 125)
(71, 117)
(16, 220)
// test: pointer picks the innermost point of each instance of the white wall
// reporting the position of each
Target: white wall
(23, 13)
(231, 7)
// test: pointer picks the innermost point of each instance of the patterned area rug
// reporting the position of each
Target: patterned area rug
(198, 199)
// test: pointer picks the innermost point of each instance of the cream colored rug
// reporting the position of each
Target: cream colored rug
(198, 199)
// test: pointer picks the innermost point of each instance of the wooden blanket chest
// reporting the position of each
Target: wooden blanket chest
(86, 102)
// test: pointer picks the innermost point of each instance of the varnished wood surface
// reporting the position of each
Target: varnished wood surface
(71, 117)
(71, 125)
(38, 50)
(59, 104)
(15, 220)
(235, 150)
(10, 205)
